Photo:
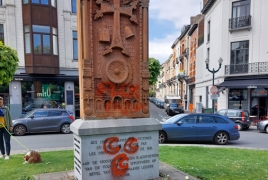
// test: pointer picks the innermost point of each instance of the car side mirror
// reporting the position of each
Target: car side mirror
(179, 123)
(32, 116)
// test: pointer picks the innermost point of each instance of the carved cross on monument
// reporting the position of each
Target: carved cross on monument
(117, 10)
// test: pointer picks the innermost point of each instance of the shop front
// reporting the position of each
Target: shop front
(249, 94)
(27, 93)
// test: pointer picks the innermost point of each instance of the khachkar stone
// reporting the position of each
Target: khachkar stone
(113, 58)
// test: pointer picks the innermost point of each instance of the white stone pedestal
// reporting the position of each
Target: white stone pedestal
(123, 149)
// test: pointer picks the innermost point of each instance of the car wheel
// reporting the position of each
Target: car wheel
(65, 128)
(239, 126)
(246, 128)
(266, 129)
(221, 138)
(19, 130)
(162, 137)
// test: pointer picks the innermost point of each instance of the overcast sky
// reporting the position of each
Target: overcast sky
(166, 18)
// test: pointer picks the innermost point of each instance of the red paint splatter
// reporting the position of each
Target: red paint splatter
(129, 147)
(119, 168)
(109, 147)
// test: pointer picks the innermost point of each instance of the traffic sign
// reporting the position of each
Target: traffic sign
(214, 96)
(213, 90)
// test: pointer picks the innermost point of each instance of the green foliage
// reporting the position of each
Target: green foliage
(55, 161)
(217, 163)
(154, 68)
(8, 63)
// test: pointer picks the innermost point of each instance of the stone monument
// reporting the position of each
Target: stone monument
(115, 138)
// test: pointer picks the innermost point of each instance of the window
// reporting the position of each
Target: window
(240, 15)
(188, 120)
(40, 114)
(45, 2)
(25, 1)
(75, 45)
(241, 8)
(2, 33)
(41, 39)
(55, 41)
(220, 120)
(54, 113)
(238, 99)
(221, 112)
(73, 6)
(206, 120)
(239, 57)
(208, 31)
(27, 39)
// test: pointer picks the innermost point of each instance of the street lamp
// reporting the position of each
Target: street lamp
(213, 71)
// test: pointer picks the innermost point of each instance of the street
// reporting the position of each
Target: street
(251, 138)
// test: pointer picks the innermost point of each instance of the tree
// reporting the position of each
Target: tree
(154, 68)
(8, 63)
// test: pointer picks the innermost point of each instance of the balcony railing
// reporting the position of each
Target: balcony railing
(250, 68)
(243, 22)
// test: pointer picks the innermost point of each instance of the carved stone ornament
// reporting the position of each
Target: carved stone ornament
(114, 58)
(117, 71)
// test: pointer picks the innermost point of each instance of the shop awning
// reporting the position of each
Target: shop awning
(245, 83)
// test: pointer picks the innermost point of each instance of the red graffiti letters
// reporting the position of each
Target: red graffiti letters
(109, 146)
(131, 146)
(119, 165)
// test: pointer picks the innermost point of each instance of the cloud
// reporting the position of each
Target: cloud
(178, 12)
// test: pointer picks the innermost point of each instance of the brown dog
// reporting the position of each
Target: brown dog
(32, 157)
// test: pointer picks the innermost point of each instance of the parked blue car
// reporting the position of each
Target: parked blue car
(199, 127)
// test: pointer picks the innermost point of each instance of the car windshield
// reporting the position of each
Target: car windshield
(174, 105)
(174, 118)
(29, 113)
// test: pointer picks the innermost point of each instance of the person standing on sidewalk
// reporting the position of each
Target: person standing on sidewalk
(5, 125)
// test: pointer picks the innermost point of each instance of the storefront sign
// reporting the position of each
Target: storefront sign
(46, 93)
(18, 79)
(252, 87)
(259, 92)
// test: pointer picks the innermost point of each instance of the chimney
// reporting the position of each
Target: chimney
(193, 19)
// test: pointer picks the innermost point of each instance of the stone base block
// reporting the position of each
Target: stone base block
(124, 149)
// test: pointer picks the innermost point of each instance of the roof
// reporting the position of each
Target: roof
(193, 28)
(175, 43)
(184, 32)
(207, 6)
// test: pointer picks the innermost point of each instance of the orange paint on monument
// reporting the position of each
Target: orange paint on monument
(129, 147)
(121, 98)
(118, 166)
(108, 146)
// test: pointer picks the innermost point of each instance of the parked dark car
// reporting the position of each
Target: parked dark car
(174, 109)
(161, 104)
(262, 126)
(238, 116)
(41, 120)
(199, 127)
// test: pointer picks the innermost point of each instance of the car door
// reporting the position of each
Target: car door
(185, 128)
(54, 120)
(206, 128)
(38, 121)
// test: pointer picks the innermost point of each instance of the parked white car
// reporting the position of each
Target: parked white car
(263, 126)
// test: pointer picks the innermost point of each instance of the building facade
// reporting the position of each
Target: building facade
(44, 34)
(235, 31)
